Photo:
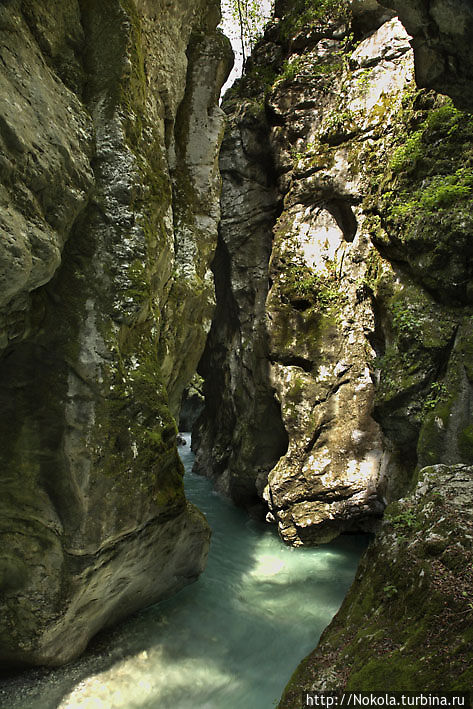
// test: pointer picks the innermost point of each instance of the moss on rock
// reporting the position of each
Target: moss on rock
(92, 491)
(406, 622)
(424, 193)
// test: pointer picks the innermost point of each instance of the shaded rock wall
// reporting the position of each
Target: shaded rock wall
(240, 435)
(441, 32)
(109, 208)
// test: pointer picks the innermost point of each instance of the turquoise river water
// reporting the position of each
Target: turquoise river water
(229, 641)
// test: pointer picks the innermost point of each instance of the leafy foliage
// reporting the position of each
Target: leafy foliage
(404, 319)
(404, 518)
(309, 13)
(250, 17)
(302, 285)
(407, 155)
(390, 591)
(438, 393)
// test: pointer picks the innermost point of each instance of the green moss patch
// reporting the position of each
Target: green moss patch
(406, 622)
(425, 194)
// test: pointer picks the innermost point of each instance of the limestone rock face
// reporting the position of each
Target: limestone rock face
(406, 622)
(109, 213)
(338, 361)
(321, 327)
(441, 32)
(46, 151)
(289, 383)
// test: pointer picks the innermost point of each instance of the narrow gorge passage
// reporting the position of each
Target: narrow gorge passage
(231, 639)
(296, 262)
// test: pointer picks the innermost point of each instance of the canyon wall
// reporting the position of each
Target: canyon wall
(344, 262)
(110, 131)
(338, 370)
(288, 366)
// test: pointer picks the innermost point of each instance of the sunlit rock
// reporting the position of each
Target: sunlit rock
(289, 383)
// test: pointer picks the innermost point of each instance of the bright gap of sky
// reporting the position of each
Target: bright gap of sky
(232, 30)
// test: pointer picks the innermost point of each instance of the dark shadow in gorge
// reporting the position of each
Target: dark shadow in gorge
(238, 400)
(240, 435)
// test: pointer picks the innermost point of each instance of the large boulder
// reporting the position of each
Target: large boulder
(406, 622)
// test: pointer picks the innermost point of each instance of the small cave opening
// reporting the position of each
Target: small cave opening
(341, 210)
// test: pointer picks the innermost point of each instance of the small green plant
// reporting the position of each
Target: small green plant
(363, 80)
(309, 13)
(303, 66)
(437, 394)
(297, 155)
(444, 190)
(370, 279)
(404, 320)
(300, 285)
(291, 68)
(338, 124)
(390, 591)
(405, 518)
(408, 154)
(444, 118)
